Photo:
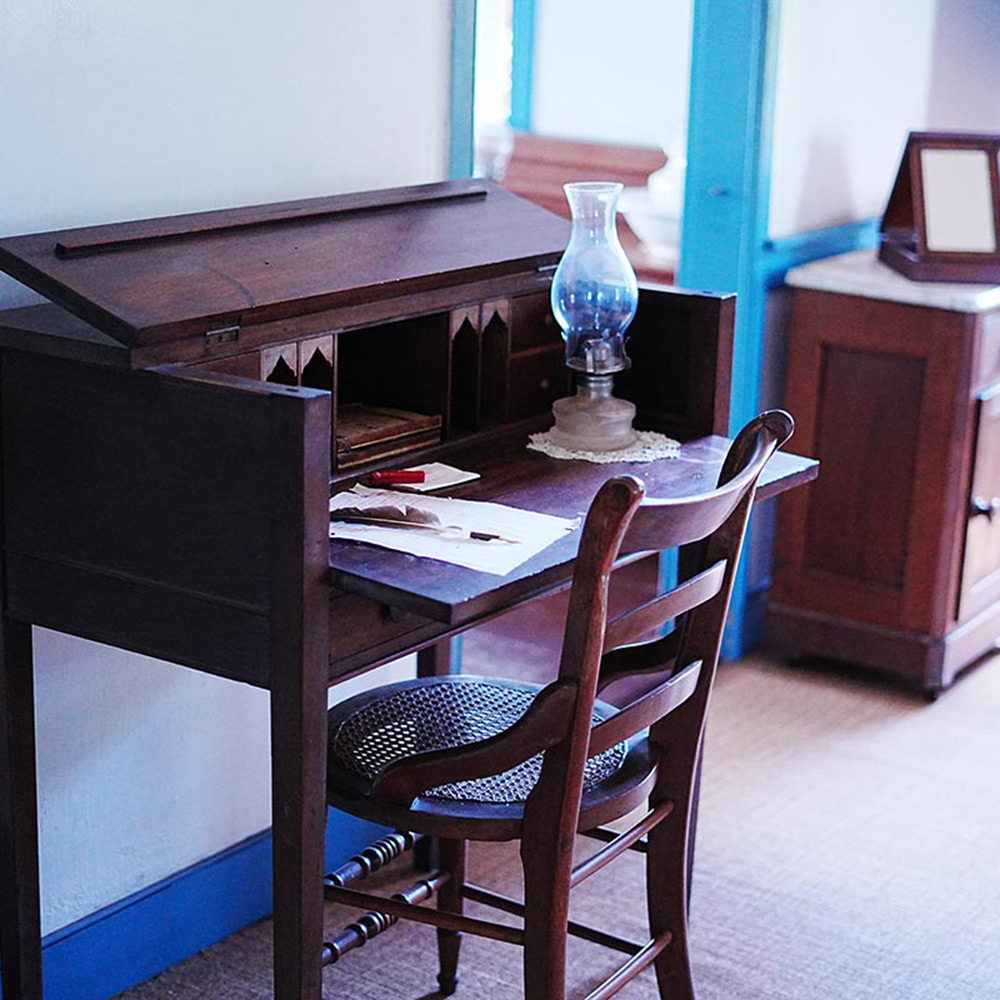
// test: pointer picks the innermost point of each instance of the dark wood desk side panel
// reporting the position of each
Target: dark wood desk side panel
(681, 346)
(161, 480)
(214, 638)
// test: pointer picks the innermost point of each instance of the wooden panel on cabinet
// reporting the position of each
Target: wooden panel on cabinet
(859, 509)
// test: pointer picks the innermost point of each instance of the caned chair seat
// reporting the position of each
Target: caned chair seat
(375, 728)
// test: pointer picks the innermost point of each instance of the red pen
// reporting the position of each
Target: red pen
(391, 476)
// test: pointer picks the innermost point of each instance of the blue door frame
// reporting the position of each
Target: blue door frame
(727, 193)
(463, 80)
(725, 228)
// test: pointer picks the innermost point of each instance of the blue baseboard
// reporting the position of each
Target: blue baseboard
(136, 938)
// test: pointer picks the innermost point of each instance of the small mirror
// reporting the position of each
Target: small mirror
(958, 203)
(942, 221)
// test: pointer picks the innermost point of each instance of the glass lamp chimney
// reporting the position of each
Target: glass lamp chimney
(594, 291)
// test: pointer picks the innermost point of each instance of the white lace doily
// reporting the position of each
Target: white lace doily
(648, 448)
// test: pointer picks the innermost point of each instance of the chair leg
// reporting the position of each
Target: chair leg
(667, 874)
(546, 915)
(452, 858)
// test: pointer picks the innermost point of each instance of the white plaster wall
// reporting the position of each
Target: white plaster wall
(965, 67)
(118, 109)
(854, 77)
(611, 72)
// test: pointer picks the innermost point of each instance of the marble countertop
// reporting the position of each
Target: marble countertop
(862, 273)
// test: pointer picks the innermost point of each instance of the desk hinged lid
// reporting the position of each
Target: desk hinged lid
(166, 279)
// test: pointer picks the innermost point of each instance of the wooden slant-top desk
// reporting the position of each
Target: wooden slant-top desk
(172, 429)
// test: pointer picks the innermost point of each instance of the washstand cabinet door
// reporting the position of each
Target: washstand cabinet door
(981, 569)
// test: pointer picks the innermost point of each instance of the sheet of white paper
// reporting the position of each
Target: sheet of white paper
(438, 476)
(529, 531)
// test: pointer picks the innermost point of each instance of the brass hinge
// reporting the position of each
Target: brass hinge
(223, 335)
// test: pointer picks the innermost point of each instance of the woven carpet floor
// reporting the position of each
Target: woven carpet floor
(849, 849)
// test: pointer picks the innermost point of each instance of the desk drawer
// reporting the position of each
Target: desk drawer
(537, 378)
(532, 323)
(359, 623)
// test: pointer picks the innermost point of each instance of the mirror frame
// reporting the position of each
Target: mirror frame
(904, 226)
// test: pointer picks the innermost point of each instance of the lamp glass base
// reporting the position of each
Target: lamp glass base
(593, 419)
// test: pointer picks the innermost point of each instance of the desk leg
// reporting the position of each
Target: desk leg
(298, 785)
(434, 661)
(299, 661)
(20, 920)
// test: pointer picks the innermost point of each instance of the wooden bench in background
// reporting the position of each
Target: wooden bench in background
(540, 165)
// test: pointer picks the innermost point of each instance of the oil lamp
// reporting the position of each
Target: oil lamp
(594, 297)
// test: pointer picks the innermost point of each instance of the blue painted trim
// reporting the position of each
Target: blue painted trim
(522, 64)
(463, 79)
(456, 653)
(667, 577)
(790, 251)
(733, 70)
(132, 940)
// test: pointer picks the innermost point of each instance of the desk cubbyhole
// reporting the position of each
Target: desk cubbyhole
(282, 373)
(494, 376)
(402, 364)
(466, 366)
(316, 363)
(391, 392)
(280, 364)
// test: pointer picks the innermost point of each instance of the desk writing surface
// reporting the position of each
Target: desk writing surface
(513, 475)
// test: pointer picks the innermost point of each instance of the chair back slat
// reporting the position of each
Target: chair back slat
(651, 657)
(662, 524)
(645, 710)
(640, 621)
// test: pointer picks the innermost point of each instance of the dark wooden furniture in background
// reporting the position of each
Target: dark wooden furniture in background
(892, 559)
(385, 769)
(540, 165)
(169, 446)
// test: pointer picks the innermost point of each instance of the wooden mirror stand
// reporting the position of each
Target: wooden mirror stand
(942, 222)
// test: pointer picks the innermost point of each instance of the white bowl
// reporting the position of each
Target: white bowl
(659, 232)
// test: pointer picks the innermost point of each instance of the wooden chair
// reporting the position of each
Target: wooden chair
(468, 758)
